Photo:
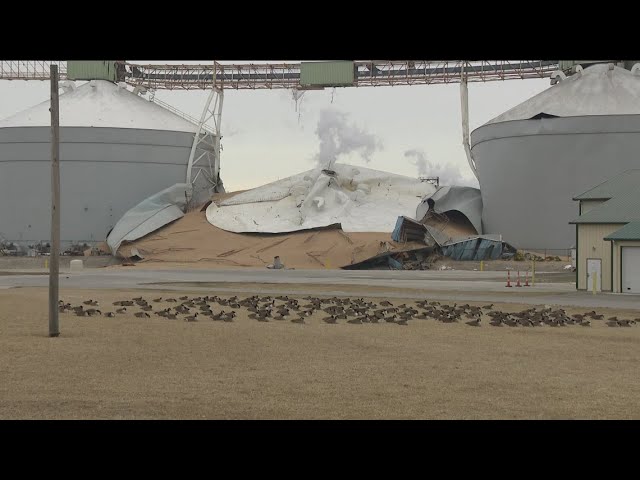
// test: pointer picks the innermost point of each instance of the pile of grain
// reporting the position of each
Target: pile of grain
(192, 240)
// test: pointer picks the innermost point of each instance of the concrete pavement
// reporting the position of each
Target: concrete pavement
(446, 285)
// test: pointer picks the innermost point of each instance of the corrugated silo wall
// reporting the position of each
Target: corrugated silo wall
(529, 171)
(103, 173)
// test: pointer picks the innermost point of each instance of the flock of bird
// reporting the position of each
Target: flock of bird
(352, 311)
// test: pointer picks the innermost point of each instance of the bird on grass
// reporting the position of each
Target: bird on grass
(261, 316)
(218, 316)
(109, 314)
(63, 307)
(330, 319)
(192, 318)
(473, 323)
(229, 317)
(142, 315)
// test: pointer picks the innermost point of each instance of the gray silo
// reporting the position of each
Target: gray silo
(116, 149)
(533, 159)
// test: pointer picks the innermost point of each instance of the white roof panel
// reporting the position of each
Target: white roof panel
(359, 198)
(596, 91)
(100, 103)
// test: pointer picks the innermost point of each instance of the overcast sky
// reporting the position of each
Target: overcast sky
(265, 139)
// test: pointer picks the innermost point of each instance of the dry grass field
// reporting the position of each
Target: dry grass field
(132, 368)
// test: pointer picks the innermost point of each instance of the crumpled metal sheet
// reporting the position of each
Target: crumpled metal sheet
(439, 238)
(482, 247)
(466, 200)
(408, 229)
(392, 260)
(149, 215)
(359, 198)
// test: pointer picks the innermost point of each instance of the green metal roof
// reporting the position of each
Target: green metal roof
(92, 70)
(327, 74)
(612, 187)
(631, 231)
(623, 208)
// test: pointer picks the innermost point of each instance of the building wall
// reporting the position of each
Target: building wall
(103, 173)
(617, 257)
(586, 205)
(529, 171)
(591, 244)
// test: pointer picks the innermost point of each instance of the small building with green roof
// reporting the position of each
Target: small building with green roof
(608, 235)
(625, 245)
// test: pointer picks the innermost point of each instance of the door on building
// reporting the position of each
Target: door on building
(630, 269)
(594, 270)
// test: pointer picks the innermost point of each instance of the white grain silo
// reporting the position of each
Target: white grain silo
(116, 149)
(533, 159)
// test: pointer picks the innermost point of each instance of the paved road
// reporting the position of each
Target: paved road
(422, 280)
(446, 285)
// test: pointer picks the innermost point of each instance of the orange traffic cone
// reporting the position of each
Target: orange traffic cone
(518, 284)
(526, 278)
(508, 278)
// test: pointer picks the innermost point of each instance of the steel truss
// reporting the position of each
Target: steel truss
(203, 169)
(250, 76)
(204, 159)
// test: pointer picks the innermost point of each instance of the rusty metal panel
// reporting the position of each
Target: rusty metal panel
(91, 70)
(327, 74)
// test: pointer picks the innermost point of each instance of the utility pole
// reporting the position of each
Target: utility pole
(54, 328)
